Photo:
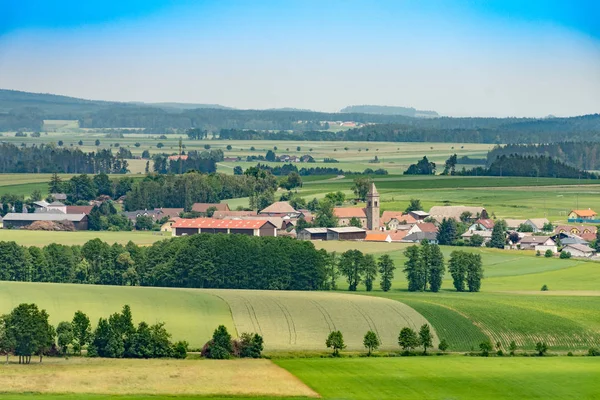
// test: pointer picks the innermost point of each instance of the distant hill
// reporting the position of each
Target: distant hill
(390, 110)
(185, 106)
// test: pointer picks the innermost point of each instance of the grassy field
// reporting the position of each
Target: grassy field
(189, 315)
(83, 376)
(42, 238)
(298, 321)
(449, 377)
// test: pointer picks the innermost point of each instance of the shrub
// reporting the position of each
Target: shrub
(250, 345)
(545, 288)
(541, 348)
(485, 348)
(565, 255)
(537, 253)
(443, 346)
(548, 253)
(570, 354)
(219, 347)
(180, 349)
(593, 352)
(512, 348)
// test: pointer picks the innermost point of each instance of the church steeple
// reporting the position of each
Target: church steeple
(373, 208)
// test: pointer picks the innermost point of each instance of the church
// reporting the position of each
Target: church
(368, 216)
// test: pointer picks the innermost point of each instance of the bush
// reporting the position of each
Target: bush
(565, 255)
(570, 354)
(541, 348)
(548, 253)
(250, 345)
(593, 352)
(537, 253)
(485, 348)
(220, 346)
(443, 346)
(545, 288)
(180, 349)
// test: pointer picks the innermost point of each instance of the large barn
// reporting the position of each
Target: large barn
(185, 227)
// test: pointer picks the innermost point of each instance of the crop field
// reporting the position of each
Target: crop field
(302, 320)
(190, 315)
(449, 377)
(81, 376)
(42, 238)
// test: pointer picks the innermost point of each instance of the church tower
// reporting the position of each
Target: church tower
(373, 208)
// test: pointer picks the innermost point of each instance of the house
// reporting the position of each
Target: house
(482, 225)
(313, 234)
(224, 214)
(168, 226)
(178, 157)
(582, 215)
(133, 215)
(203, 207)
(455, 212)
(570, 239)
(514, 223)
(57, 206)
(346, 233)
(419, 215)
(533, 242)
(186, 226)
(169, 212)
(424, 227)
(378, 237)
(486, 235)
(398, 235)
(418, 237)
(537, 224)
(20, 220)
(345, 214)
(576, 230)
(392, 219)
(40, 205)
(79, 209)
(579, 250)
(280, 209)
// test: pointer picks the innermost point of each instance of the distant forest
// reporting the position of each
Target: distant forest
(26, 111)
(583, 155)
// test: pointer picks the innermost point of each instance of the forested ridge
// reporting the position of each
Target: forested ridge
(26, 111)
(197, 261)
(583, 155)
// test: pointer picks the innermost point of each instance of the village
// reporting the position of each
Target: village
(352, 223)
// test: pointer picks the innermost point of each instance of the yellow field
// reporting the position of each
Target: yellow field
(156, 377)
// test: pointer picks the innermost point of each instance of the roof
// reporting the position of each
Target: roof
(427, 227)
(79, 209)
(43, 217)
(588, 236)
(205, 223)
(585, 213)
(539, 222)
(387, 216)
(349, 212)
(580, 228)
(377, 237)
(170, 212)
(514, 223)
(397, 235)
(224, 214)
(276, 221)
(484, 234)
(454, 212)
(373, 189)
(279, 207)
(347, 229)
(41, 203)
(420, 213)
(581, 247)
(177, 157)
(535, 239)
(203, 207)
(138, 213)
(315, 230)
(486, 223)
(56, 203)
(418, 236)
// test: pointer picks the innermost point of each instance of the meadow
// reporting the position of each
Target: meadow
(43, 238)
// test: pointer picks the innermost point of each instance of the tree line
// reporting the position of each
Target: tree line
(47, 158)
(286, 169)
(583, 155)
(25, 332)
(205, 162)
(196, 261)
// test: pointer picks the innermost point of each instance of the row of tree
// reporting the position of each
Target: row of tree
(26, 331)
(424, 268)
(583, 155)
(223, 346)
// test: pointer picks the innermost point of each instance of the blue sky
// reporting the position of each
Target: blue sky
(480, 58)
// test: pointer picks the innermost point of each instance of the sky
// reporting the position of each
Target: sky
(457, 57)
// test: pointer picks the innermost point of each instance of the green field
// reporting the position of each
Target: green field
(42, 238)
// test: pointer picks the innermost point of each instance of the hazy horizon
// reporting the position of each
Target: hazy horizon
(458, 58)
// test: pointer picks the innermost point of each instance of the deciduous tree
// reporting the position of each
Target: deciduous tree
(386, 269)
(371, 342)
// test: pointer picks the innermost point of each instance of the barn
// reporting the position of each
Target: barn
(185, 227)
(20, 220)
(313, 234)
(346, 233)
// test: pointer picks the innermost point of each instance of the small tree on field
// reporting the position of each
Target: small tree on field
(65, 336)
(220, 346)
(371, 342)
(335, 341)
(386, 269)
(408, 339)
(425, 337)
(512, 348)
(485, 348)
(541, 348)
(443, 346)
(369, 267)
(82, 330)
(544, 288)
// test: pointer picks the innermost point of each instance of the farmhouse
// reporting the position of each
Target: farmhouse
(186, 226)
(575, 230)
(393, 219)
(346, 233)
(20, 220)
(398, 235)
(482, 225)
(582, 215)
(313, 234)
(455, 212)
(168, 226)
(280, 209)
(133, 215)
(579, 250)
(536, 242)
(203, 207)
(537, 224)
(486, 235)
(424, 227)
(418, 237)
(169, 212)
(345, 214)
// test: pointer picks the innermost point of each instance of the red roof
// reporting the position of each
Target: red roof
(387, 216)
(349, 212)
(427, 227)
(398, 235)
(585, 213)
(177, 157)
(376, 237)
(205, 223)
(203, 207)
(79, 209)
(486, 223)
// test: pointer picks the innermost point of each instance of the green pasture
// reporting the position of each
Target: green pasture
(449, 377)
(42, 238)
(189, 315)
